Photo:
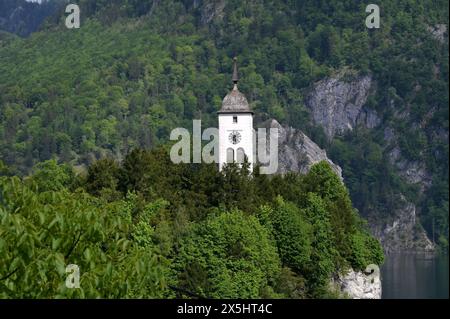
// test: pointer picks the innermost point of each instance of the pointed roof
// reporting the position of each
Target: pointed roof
(235, 78)
(235, 101)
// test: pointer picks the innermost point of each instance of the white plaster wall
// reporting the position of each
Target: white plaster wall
(244, 126)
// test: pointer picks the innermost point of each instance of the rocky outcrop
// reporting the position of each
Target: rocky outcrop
(358, 285)
(297, 152)
(414, 172)
(438, 32)
(337, 103)
(210, 10)
(403, 232)
(23, 17)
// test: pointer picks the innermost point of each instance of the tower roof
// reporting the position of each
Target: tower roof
(235, 101)
(235, 71)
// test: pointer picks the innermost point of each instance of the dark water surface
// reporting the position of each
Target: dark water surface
(415, 276)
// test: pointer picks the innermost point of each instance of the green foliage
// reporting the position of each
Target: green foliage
(4, 171)
(291, 285)
(322, 263)
(127, 77)
(102, 178)
(42, 233)
(365, 251)
(227, 256)
(137, 69)
(323, 181)
(292, 233)
(49, 176)
(189, 227)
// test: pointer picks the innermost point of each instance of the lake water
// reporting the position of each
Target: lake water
(407, 276)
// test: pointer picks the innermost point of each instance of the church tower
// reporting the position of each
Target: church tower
(235, 127)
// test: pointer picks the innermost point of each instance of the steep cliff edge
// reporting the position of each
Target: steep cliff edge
(414, 172)
(357, 285)
(338, 105)
(402, 232)
(23, 17)
(297, 152)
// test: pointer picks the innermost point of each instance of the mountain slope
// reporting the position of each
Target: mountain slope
(24, 17)
(137, 69)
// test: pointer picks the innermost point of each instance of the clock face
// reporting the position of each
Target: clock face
(234, 137)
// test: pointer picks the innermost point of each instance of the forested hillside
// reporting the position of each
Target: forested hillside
(24, 17)
(147, 228)
(137, 69)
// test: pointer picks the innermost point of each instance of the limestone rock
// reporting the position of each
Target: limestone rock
(211, 10)
(337, 103)
(438, 32)
(402, 232)
(297, 152)
(413, 171)
(357, 285)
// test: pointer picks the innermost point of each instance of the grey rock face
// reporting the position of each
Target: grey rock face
(413, 171)
(403, 232)
(438, 32)
(23, 18)
(336, 103)
(357, 285)
(297, 152)
(211, 10)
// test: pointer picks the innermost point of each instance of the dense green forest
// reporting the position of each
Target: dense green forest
(23, 17)
(137, 69)
(81, 109)
(150, 228)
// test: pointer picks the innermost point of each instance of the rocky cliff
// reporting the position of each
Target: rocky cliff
(402, 232)
(338, 105)
(23, 17)
(357, 285)
(414, 172)
(297, 152)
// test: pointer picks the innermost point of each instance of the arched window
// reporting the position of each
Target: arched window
(230, 155)
(240, 155)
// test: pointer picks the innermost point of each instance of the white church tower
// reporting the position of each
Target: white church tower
(235, 127)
